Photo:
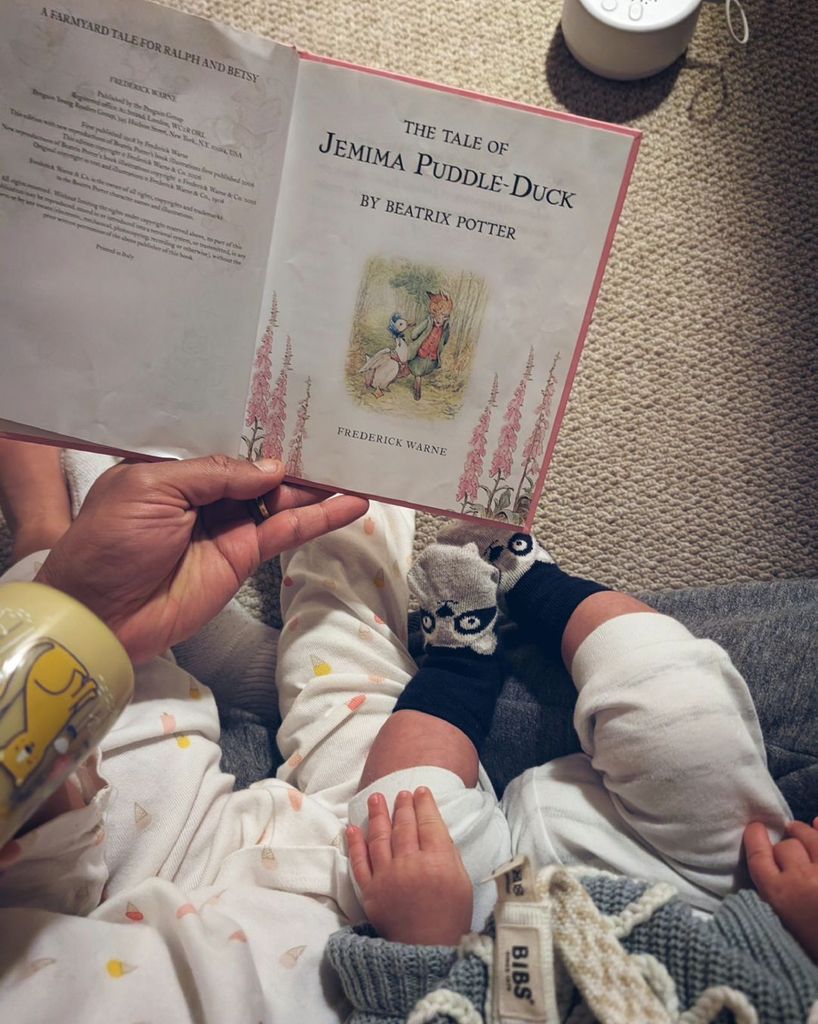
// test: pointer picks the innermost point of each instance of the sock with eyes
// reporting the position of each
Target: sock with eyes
(462, 674)
(535, 592)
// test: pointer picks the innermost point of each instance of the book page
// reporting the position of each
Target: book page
(141, 158)
(435, 259)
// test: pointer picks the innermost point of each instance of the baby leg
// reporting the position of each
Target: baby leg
(673, 765)
(33, 496)
(442, 717)
(342, 655)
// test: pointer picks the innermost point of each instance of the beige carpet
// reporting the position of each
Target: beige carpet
(688, 451)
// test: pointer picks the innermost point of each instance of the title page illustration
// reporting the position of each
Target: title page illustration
(432, 263)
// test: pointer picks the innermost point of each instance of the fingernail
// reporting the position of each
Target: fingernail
(374, 799)
(351, 830)
(422, 791)
(404, 793)
(269, 465)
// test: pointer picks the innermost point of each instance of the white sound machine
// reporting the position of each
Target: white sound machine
(636, 38)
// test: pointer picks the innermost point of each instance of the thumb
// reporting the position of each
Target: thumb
(203, 481)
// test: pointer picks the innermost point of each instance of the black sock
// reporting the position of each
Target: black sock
(543, 600)
(458, 685)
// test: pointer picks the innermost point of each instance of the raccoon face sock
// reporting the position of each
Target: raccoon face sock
(537, 594)
(461, 676)
(513, 554)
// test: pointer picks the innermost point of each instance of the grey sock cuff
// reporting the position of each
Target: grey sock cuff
(81, 471)
(235, 655)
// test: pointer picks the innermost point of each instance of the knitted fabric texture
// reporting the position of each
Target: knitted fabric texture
(512, 554)
(742, 960)
(537, 594)
(457, 594)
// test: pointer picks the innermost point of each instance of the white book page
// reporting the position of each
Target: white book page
(434, 256)
(141, 160)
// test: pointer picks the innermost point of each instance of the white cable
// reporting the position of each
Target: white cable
(729, 7)
(737, 24)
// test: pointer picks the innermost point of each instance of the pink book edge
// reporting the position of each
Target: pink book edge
(403, 503)
(86, 446)
(77, 444)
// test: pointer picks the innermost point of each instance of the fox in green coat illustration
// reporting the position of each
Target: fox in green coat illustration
(428, 340)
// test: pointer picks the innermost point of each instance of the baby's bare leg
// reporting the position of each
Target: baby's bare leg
(411, 738)
(443, 716)
(441, 719)
(33, 496)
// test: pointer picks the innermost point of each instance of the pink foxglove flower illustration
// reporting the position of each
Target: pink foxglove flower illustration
(294, 465)
(258, 407)
(470, 478)
(495, 387)
(506, 445)
(260, 387)
(535, 445)
(277, 414)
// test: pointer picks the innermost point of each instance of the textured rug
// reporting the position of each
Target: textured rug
(688, 453)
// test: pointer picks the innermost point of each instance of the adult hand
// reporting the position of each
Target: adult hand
(159, 548)
(412, 880)
(786, 876)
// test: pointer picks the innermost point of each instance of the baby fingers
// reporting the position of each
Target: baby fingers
(432, 831)
(380, 832)
(404, 826)
(359, 856)
(808, 837)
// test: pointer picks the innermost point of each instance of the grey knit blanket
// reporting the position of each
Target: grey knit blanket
(623, 951)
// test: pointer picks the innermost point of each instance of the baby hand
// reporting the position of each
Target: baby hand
(786, 876)
(414, 886)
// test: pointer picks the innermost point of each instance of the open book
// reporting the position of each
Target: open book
(212, 242)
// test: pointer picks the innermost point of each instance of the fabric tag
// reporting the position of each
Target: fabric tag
(514, 880)
(519, 984)
(523, 981)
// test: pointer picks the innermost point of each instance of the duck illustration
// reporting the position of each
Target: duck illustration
(384, 366)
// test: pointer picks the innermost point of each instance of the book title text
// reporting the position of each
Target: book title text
(425, 164)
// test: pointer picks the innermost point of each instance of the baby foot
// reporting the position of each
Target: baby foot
(513, 554)
(457, 593)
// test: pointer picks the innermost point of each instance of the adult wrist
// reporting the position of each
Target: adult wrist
(51, 575)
